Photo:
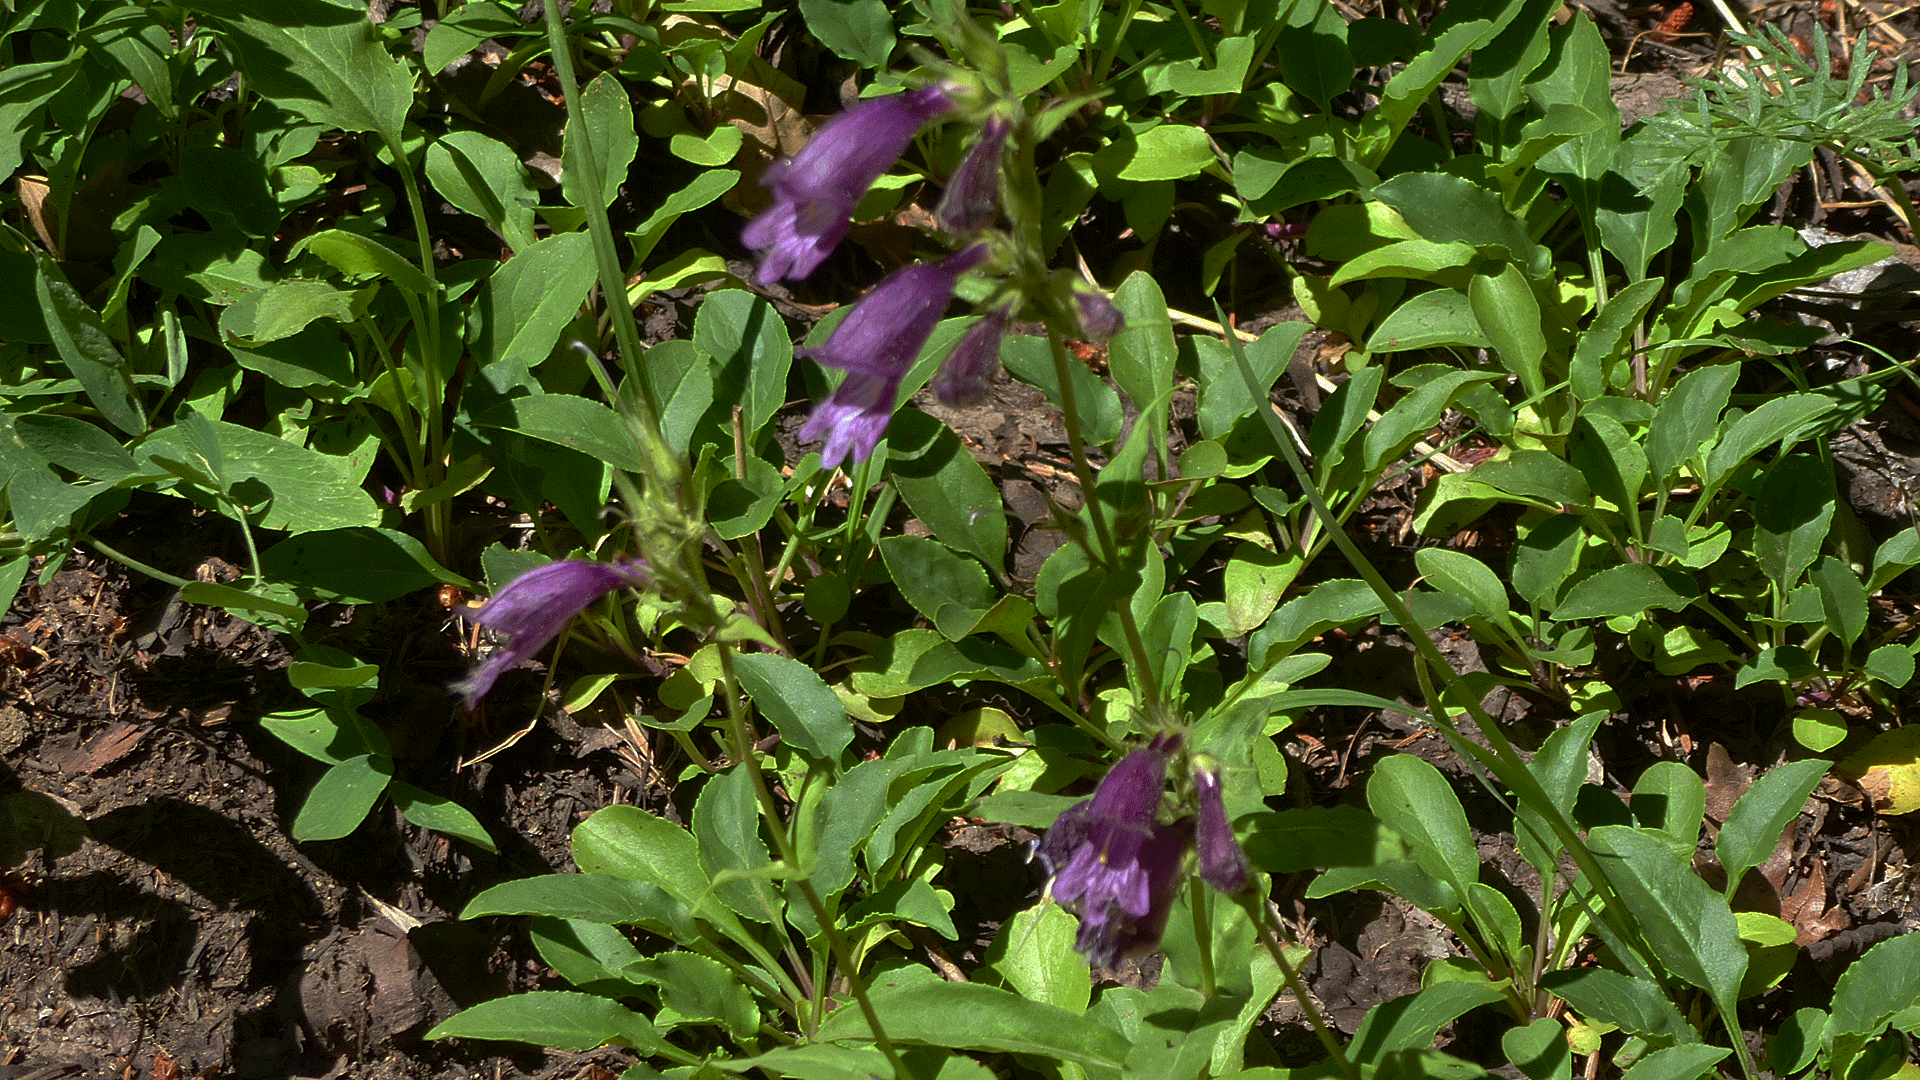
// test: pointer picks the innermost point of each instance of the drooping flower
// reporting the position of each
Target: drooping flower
(1099, 319)
(875, 345)
(972, 198)
(1222, 864)
(533, 608)
(1113, 863)
(816, 189)
(965, 373)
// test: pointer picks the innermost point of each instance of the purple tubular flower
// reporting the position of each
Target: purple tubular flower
(1113, 864)
(816, 189)
(1099, 319)
(533, 608)
(1222, 864)
(875, 345)
(963, 376)
(972, 199)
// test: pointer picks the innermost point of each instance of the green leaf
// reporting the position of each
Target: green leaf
(1463, 575)
(744, 333)
(1316, 837)
(1686, 419)
(1891, 664)
(1607, 339)
(319, 60)
(1434, 317)
(1873, 990)
(1411, 1022)
(283, 309)
(269, 598)
(1618, 590)
(1224, 395)
(1842, 598)
(973, 1016)
(356, 566)
(858, 30)
(343, 798)
(527, 302)
(310, 491)
(359, 256)
(1539, 1050)
(696, 989)
(575, 422)
(1504, 306)
(1787, 419)
(1410, 797)
(726, 825)
(594, 898)
(600, 144)
(1171, 151)
(797, 702)
(941, 584)
(1610, 462)
(1030, 359)
(1444, 208)
(1756, 821)
(1544, 556)
(1312, 51)
(483, 176)
(227, 183)
(1256, 579)
(628, 842)
(76, 445)
(1677, 1063)
(946, 488)
(1670, 797)
(1034, 953)
(1689, 926)
(1636, 1006)
(1141, 356)
(82, 343)
(441, 814)
(1791, 517)
(703, 189)
(1413, 415)
(560, 1019)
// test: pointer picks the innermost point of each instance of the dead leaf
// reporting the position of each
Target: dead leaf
(1726, 782)
(1888, 770)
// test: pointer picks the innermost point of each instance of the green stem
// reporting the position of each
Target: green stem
(1203, 935)
(743, 754)
(1109, 553)
(1255, 904)
(136, 564)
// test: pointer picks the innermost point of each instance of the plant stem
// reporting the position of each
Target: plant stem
(1203, 935)
(136, 564)
(743, 756)
(1255, 904)
(1109, 552)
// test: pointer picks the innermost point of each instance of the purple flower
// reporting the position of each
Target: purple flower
(1222, 864)
(816, 189)
(963, 376)
(1099, 319)
(972, 199)
(533, 608)
(875, 345)
(1113, 863)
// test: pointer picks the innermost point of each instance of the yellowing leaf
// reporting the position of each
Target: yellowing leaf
(1888, 770)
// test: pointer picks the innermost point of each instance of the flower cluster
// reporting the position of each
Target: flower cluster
(533, 608)
(815, 192)
(1118, 866)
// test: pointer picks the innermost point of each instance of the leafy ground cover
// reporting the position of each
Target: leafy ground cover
(1241, 540)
